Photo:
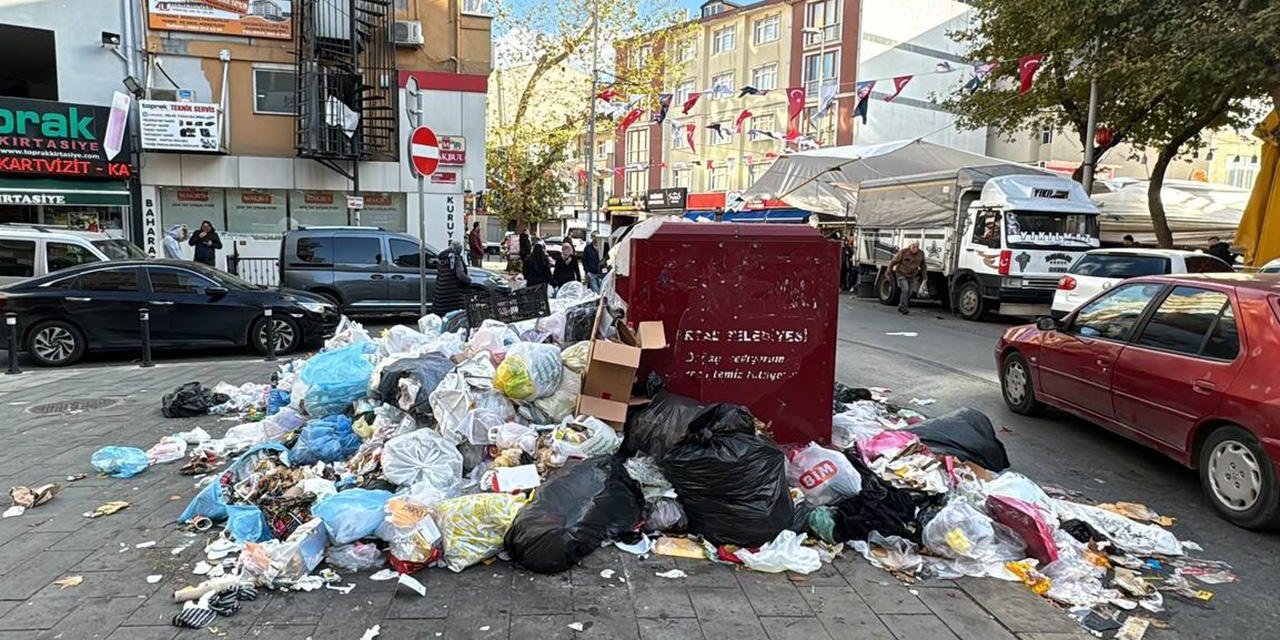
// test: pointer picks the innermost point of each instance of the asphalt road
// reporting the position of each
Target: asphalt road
(951, 361)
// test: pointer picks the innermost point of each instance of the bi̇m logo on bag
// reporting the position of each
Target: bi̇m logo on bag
(818, 474)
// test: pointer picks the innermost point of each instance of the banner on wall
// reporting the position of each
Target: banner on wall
(180, 126)
(248, 18)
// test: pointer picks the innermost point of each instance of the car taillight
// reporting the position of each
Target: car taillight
(1067, 283)
(1006, 257)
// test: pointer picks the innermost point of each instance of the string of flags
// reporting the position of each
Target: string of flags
(707, 164)
(629, 112)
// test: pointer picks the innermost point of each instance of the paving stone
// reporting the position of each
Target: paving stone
(704, 573)
(25, 580)
(407, 604)
(1016, 608)
(167, 632)
(549, 627)
(794, 629)
(662, 601)
(352, 611)
(844, 614)
(24, 547)
(917, 627)
(93, 618)
(478, 627)
(669, 629)
(418, 629)
(963, 616)
(609, 610)
(533, 593)
(880, 590)
(278, 632)
(773, 595)
(1077, 635)
(725, 613)
(37, 613)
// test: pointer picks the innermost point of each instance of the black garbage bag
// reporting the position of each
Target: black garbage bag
(966, 434)
(188, 400)
(428, 369)
(654, 428)
(879, 506)
(845, 395)
(572, 513)
(578, 322)
(731, 482)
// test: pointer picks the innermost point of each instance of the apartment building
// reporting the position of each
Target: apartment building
(769, 45)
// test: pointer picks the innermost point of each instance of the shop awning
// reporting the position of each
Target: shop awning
(63, 192)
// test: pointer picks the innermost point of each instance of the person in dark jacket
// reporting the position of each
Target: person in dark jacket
(591, 263)
(526, 246)
(537, 267)
(452, 280)
(1219, 249)
(848, 270)
(206, 242)
(567, 266)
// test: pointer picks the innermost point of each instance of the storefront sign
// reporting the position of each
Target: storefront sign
(150, 222)
(444, 177)
(355, 203)
(64, 140)
(453, 150)
(670, 199)
(248, 18)
(180, 126)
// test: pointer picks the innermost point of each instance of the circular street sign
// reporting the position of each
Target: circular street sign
(424, 151)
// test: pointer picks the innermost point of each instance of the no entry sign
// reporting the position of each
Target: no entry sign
(424, 151)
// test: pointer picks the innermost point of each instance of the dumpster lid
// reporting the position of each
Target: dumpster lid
(723, 230)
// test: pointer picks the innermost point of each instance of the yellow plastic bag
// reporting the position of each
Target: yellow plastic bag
(473, 526)
(362, 428)
(575, 357)
(513, 380)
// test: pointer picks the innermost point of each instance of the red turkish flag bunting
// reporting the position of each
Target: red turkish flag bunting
(742, 119)
(688, 103)
(795, 107)
(609, 94)
(689, 129)
(629, 119)
(1027, 67)
(899, 83)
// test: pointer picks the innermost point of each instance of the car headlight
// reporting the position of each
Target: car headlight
(315, 307)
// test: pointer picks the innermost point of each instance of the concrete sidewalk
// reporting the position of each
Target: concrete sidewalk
(43, 443)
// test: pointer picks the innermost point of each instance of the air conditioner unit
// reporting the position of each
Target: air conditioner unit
(407, 33)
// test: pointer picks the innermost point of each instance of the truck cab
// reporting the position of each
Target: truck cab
(1016, 241)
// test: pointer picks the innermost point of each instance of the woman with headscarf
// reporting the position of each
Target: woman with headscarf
(537, 268)
(452, 280)
(567, 266)
(173, 239)
(207, 243)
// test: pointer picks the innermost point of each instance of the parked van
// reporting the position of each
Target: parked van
(27, 251)
(364, 269)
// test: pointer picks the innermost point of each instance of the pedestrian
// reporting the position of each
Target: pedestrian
(1221, 250)
(173, 239)
(475, 245)
(1129, 242)
(537, 267)
(567, 266)
(452, 280)
(207, 243)
(591, 263)
(848, 277)
(526, 245)
(908, 267)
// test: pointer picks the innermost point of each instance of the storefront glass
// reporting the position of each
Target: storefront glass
(384, 210)
(257, 212)
(191, 206)
(317, 209)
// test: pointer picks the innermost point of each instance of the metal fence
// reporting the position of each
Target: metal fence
(263, 271)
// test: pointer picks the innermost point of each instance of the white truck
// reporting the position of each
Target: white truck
(993, 241)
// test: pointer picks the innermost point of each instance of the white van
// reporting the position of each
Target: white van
(27, 251)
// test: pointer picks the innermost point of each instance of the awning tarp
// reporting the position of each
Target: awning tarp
(1195, 211)
(1259, 230)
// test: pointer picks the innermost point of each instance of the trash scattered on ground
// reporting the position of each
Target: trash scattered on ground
(76, 477)
(412, 584)
(576, 626)
(107, 508)
(154, 578)
(904, 334)
(28, 497)
(371, 632)
(145, 545)
(68, 582)
(13, 511)
(672, 574)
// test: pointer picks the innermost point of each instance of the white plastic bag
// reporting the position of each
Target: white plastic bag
(348, 333)
(824, 476)
(561, 403)
(861, 421)
(582, 438)
(431, 325)
(423, 456)
(784, 553)
(1134, 537)
(476, 426)
(168, 449)
(457, 392)
(959, 531)
(554, 325)
(490, 337)
(891, 553)
(1016, 485)
(575, 356)
(403, 341)
(511, 435)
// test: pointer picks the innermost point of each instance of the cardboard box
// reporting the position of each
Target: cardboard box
(611, 372)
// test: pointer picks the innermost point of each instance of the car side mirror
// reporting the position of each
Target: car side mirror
(216, 293)
(432, 262)
(1047, 324)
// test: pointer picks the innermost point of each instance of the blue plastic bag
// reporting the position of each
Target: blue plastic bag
(352, 514)
(335, 379)
(276, 400)
(325, 440)
(120, 462)
(210, 502)
(246, 523)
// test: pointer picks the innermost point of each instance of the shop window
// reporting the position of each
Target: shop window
(17, 258)
(60, 255)
(274, 92)
(357, 251)
(110, 280)
(257, 211)
(317, 209)
(191, 206)
(28, 63)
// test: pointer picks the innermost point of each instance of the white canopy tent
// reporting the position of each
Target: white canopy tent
(1195, 211)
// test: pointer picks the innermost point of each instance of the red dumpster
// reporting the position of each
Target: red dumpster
(750, 318)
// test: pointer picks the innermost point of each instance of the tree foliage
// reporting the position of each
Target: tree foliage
(1166, 70)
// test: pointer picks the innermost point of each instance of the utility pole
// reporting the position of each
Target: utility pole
(591, 117)
(1091, 125)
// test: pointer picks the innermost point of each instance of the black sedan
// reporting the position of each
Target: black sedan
(95, 307)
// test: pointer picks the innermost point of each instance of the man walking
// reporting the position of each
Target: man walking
(591, 263)
(907, 267)
(475, 245)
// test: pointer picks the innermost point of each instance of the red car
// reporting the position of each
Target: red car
(1186, 365)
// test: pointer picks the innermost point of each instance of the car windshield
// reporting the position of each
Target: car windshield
(1041, 230)
(119, 249)
(1119, 266)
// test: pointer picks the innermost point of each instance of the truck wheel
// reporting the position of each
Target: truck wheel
(1239, 479)
(887, 289)
(969, 302)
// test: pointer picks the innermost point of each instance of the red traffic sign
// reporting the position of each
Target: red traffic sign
(424, 151)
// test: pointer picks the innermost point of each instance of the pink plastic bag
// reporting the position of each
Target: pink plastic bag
(1028, 522)
(886, 443)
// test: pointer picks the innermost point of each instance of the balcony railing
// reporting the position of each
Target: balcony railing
(829, 33)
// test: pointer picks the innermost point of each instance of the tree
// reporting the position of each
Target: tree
(545, 56)
(1165, 70)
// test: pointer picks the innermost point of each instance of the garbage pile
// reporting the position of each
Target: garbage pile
(427, 448)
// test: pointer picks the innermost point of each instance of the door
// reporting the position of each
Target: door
(1076, 364)
(403, 275)
(104, 304)
(359, 271)
(1185, 354)
(184, 312)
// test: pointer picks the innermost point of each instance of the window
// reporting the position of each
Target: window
(824, 17)
(640, 56)
(686, 50)
(59, 255)
(17, 258)
(724, 137)
(986, 229)
(475, 7)
(638, 145)
(722, 82)
(1184, 319)
(680, 178)
(315, 250)
(1114, 315)
(1224, 340)
(821, 68)
(273, 92)
(714, 8)
(30, 63)
(766, 29)
(357, 251)
(119, 249)
(1046, 135)
(1207, 264)
(724, 39)
(402, 5)
(765, 123)
(1242, 171)
(174, 281)
(637, 182)
(682, 92)
(1119, 266)
(110, 280)
(765, 77)
(1035, 230)
(404, 253)
(718, 179)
